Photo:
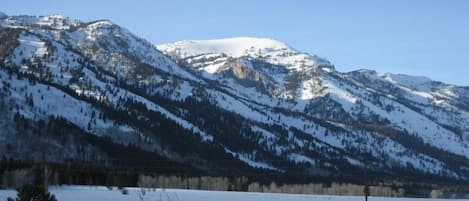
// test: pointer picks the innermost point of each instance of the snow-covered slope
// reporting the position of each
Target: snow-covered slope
(256, 102)
(393, 108)
(235, 47)
(78, 71)
(270, 50)
(101, 193)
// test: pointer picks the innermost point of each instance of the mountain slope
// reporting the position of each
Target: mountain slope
(409, 111)
(227, 106)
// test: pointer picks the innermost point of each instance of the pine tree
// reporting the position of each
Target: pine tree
(33, 193)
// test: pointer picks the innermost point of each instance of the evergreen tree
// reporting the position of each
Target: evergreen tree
(33, 193)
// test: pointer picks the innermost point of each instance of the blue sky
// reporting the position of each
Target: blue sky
(417, 37)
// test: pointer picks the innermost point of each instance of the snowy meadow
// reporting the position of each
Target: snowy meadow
(99, 193)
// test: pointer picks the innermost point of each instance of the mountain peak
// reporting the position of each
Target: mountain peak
(101, 22)
(24, 21)
(235, 47)
(408, 79)
(266, 49)
(56, 16)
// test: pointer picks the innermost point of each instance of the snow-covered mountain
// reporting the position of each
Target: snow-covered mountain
(255, 102)
(387, 112)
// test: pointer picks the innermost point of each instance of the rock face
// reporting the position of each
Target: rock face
(225, 106)
(240, 71)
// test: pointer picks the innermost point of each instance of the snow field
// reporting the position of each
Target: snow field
(95, 193)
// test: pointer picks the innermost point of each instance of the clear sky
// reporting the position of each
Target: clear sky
(417, 37)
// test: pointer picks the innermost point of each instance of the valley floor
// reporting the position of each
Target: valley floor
(95, 193)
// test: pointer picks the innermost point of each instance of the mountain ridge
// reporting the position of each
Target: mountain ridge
(271, 109)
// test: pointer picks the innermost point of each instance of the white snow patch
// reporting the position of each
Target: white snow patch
(301, 158)
(235, 47)
(250, 162)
